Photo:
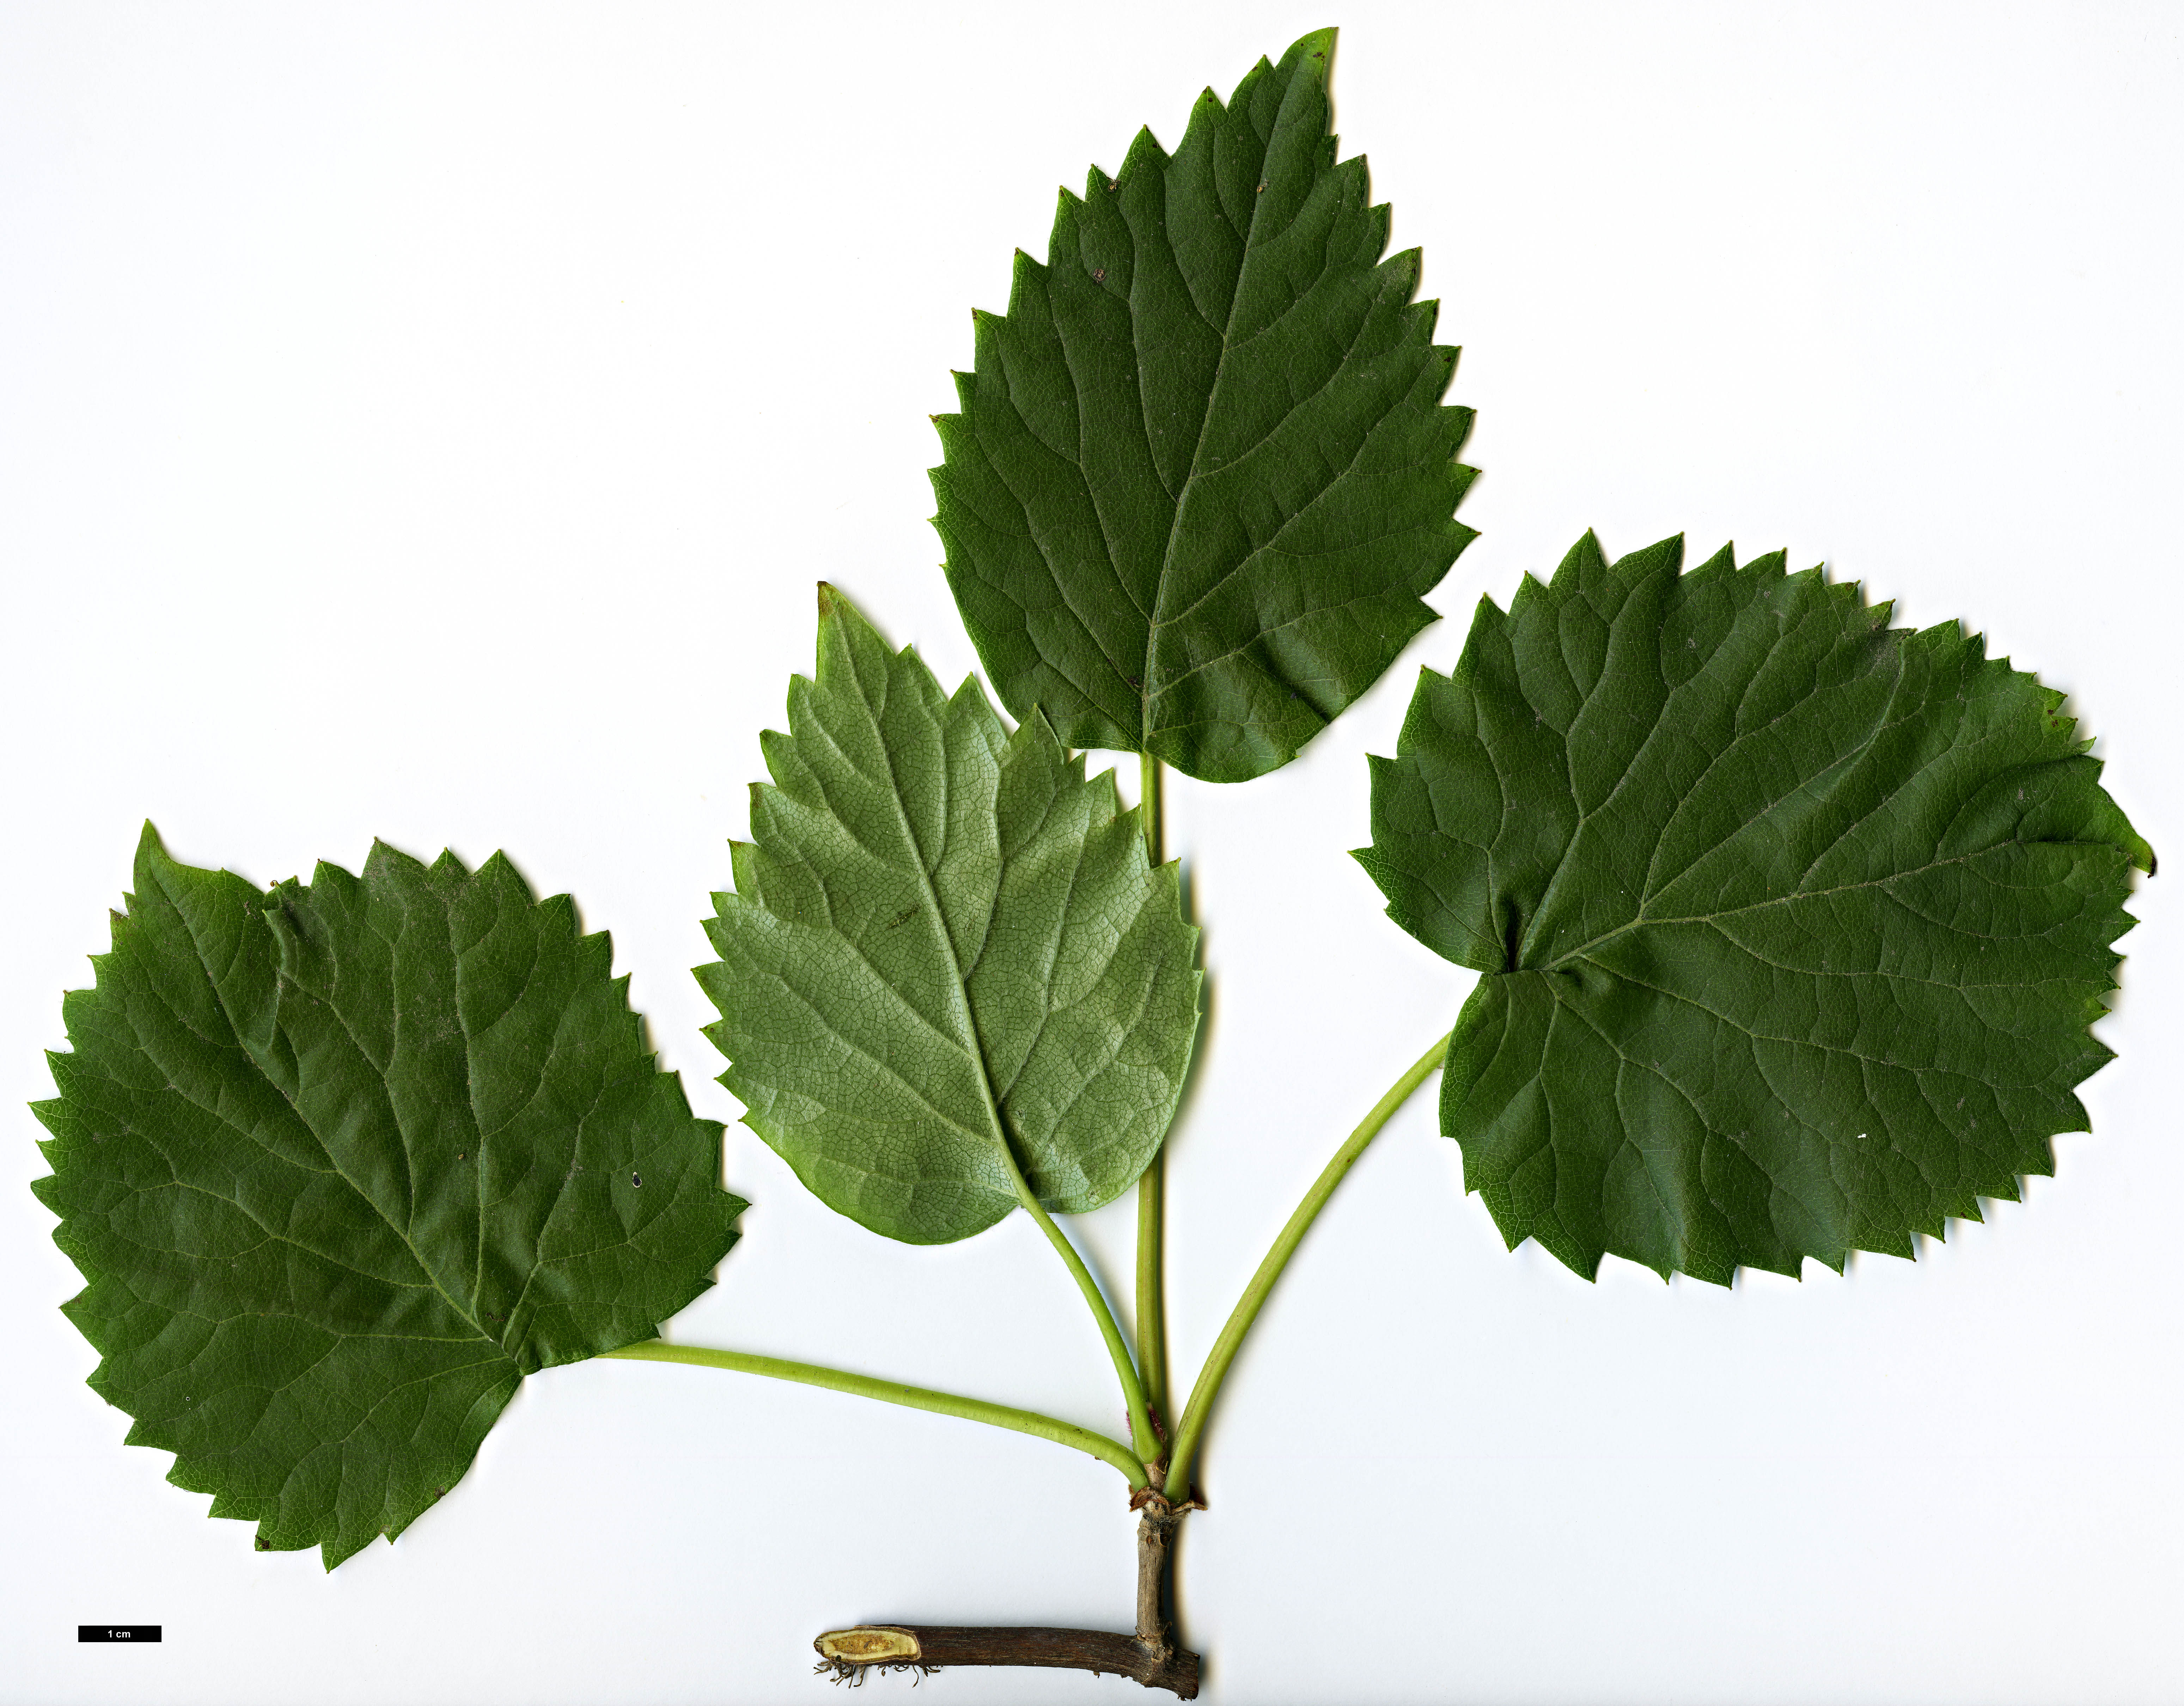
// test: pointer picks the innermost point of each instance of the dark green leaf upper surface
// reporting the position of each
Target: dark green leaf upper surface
(1793, 923)
(1202, 478)
(344, 1163)
(945, 949)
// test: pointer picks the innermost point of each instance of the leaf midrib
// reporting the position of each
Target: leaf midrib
(431, 1279)
(967, 1031)
(1852, 753)
(1585, 950)
(1745, 1030)
(1155, 622)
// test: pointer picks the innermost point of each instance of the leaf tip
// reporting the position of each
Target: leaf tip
(1315, 51)
(151, 854)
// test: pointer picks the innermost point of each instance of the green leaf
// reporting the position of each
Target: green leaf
(1793, 923)
(1202, 478)
(946, 958)
(344, 1163)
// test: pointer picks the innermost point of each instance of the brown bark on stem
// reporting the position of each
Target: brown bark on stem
(1158, 1522)
(1152, 1657)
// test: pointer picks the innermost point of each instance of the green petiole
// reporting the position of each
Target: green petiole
(1134, 1395)
(1193, 1425)
(1151, 1295)
(1184, 1444)
(1142, 1435)
(1111, 1452)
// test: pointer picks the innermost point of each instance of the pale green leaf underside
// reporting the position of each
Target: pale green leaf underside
(344, 1163)
(1793, 923)
(1201, 476)
(943, 939)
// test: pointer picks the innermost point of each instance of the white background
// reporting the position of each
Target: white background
(429, 421)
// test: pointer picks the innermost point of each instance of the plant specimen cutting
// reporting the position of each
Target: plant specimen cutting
(1790, 925)
(344, 1163)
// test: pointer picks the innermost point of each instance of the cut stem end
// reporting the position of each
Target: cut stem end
(849, 1654)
